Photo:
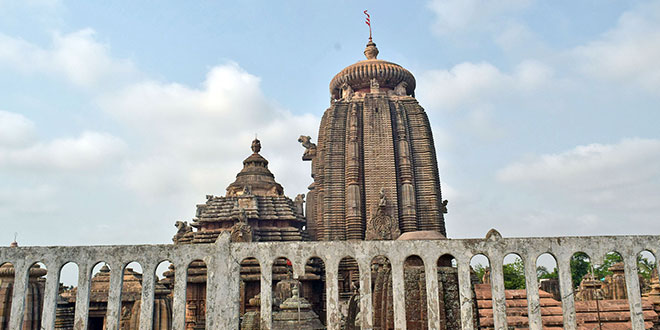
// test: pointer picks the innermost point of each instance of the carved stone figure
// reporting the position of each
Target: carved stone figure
(247, 190)
(444, 206)
(299, 203)
(346, 91)
(383, 200)
(241, 231)
(400, 89)
(375, 86)
(310, 148)
(182, 229)
(381, 225)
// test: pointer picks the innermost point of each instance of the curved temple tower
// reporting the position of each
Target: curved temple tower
(375, 165)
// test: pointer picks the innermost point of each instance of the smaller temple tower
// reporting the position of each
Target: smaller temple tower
(253, 209)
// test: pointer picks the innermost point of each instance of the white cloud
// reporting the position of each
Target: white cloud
(454, 16)
(629, 52)
(76, 56)
(15, 130)
(21, 150)
(472, 84)
(194, 139)
(617, 177)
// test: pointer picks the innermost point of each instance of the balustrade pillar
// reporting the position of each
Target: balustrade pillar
(432, 293)
(82, 297)
(398, 293)
(634, 295)
(533, 301)
(21, 277)
(332, 293)
(114, 296)
(50, 295)
(266, 293)
(147, 298)
(466, 294)
(179, 299)
(566, 291)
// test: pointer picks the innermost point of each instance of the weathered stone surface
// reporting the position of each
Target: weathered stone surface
(223, 257)
(374, 137)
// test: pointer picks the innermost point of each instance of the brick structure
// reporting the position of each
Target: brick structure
(612, 314)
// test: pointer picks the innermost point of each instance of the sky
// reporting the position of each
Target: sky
(117, 118)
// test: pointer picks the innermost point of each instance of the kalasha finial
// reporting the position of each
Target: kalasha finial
(14, 243)
(256, 145)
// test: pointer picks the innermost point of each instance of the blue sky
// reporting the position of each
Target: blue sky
(117, 118)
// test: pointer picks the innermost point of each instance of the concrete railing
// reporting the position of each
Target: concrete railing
(223, 263)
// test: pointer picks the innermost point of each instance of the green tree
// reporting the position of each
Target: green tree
(480, 270)
(514, 275)
(580, 266)
(645, 267)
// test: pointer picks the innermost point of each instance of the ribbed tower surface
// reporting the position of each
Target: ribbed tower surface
(375, 156)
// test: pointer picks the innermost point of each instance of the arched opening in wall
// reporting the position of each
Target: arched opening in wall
(415, 293)
(313, 286)
(584, 284)
(449, 292)
(547, 276)
(647, 272)
(66, 299)
(381, 293)
(611, 278)
(131, 294)
(291, 310)
(6, 291)
(480, 269)
(196, 295)
(513, 273)
(348, 283)
(98, 296)
(250, 294)
(163, 290)
(282, 275)
(34, 300)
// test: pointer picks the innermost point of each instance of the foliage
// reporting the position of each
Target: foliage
(580, 266)
(480, 270)
(514, 275)
(645, 267)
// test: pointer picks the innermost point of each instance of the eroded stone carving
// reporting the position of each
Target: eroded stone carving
(381, 225)
(346, 91)
(375, 86)
(182, 229)
(310, 148)
(299, 202)
(400, 89)
(241, 231)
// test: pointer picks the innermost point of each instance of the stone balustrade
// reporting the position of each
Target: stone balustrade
(222, 259)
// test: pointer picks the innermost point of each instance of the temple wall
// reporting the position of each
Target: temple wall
(222, 259)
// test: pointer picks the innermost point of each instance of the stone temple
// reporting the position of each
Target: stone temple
(374, 178)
